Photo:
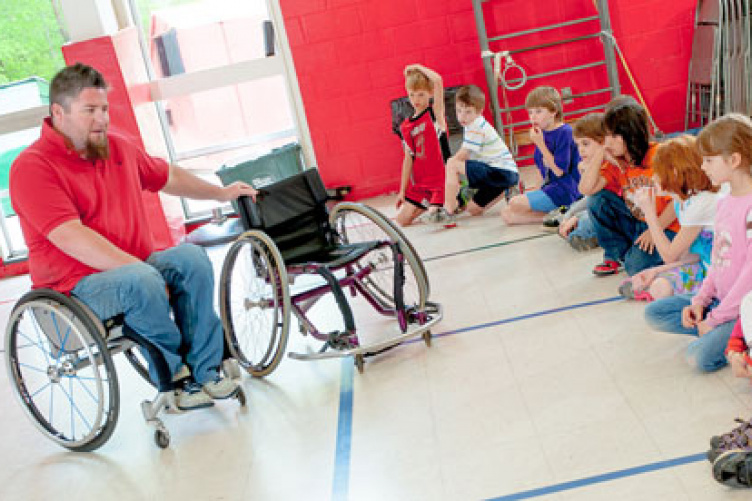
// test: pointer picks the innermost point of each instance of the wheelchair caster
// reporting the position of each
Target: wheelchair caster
(162, 438)
(240, 395)
(427, 338)
(360, 363)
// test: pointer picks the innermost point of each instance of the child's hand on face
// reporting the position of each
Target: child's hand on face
(536, 136)
(645, 200)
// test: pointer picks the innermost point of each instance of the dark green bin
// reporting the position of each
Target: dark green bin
(259, 171)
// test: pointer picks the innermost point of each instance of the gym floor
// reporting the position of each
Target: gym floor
(540, 384)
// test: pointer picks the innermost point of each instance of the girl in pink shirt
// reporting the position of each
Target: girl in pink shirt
(726, 148)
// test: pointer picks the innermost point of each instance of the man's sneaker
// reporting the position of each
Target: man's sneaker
(734, 468)
(740, 438)
(607, 267)
(190, 397)
(553, 219)
(581, 244)
(221, 388)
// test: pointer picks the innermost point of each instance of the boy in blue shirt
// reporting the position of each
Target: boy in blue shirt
(555, 156)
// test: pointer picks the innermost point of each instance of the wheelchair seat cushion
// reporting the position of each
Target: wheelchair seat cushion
(331, 257)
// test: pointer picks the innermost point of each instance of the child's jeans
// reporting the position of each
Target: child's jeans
(706, 352)
(584, 229)
(617, 231)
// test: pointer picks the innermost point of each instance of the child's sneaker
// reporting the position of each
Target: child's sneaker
(581, 244)
(430, 216)
(553, 219)
(513, 191)
(734, 468)
(221, 388)
(450, 220)
(740, 438)
(626, 290)
(190, 397)
(606, 268)
(463, 197)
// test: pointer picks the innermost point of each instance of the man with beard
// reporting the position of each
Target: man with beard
(78, 194)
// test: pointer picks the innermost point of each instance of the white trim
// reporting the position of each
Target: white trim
(293, 86)
(212, 78)
(24, 119)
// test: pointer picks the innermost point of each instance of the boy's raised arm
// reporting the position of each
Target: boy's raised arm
(438, 92)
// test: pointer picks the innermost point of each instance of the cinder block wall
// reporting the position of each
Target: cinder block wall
(349, 56)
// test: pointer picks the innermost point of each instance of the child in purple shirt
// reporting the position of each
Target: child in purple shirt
(556, 157)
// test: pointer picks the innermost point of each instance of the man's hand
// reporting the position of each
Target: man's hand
(237, 189)
(692, 315)
(645, 242)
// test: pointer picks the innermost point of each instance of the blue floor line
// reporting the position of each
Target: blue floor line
(485, 247)
(518, 318)
(341, 482)
(606, 477)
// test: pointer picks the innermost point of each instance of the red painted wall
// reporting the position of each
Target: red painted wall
(349, 56)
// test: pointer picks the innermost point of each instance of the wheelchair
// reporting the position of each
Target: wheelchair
(59, 357)
(292, 233)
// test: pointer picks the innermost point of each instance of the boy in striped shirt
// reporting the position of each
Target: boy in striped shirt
(483, 158)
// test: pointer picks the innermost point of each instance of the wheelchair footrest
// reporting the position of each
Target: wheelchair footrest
(434, 313)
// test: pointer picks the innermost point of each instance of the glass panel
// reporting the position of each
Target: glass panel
(208, 128)
(191, 35)
(30, 41)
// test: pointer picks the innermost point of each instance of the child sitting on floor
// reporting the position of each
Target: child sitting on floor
(422, 180)
(555, 156)
(726, 149)
(576, 226)
(677, 172)
(484, 158)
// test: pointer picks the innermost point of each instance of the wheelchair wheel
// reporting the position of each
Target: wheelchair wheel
(61, 371)
(355, 223)
(255, 303)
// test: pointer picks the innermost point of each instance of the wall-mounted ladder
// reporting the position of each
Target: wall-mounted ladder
(512, 77)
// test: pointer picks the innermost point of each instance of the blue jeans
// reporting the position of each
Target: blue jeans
(706, 352)
(585, 228)
(138, 291)
(617, 229)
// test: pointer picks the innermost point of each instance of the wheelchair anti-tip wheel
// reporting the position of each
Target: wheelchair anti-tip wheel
(355, 223)
(254, 303)
(61, 370)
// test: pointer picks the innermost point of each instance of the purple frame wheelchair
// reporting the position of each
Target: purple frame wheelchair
(354, 248)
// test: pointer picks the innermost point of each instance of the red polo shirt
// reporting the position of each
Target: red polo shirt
(50, 184)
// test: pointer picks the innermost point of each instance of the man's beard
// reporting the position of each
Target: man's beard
(97, 151)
